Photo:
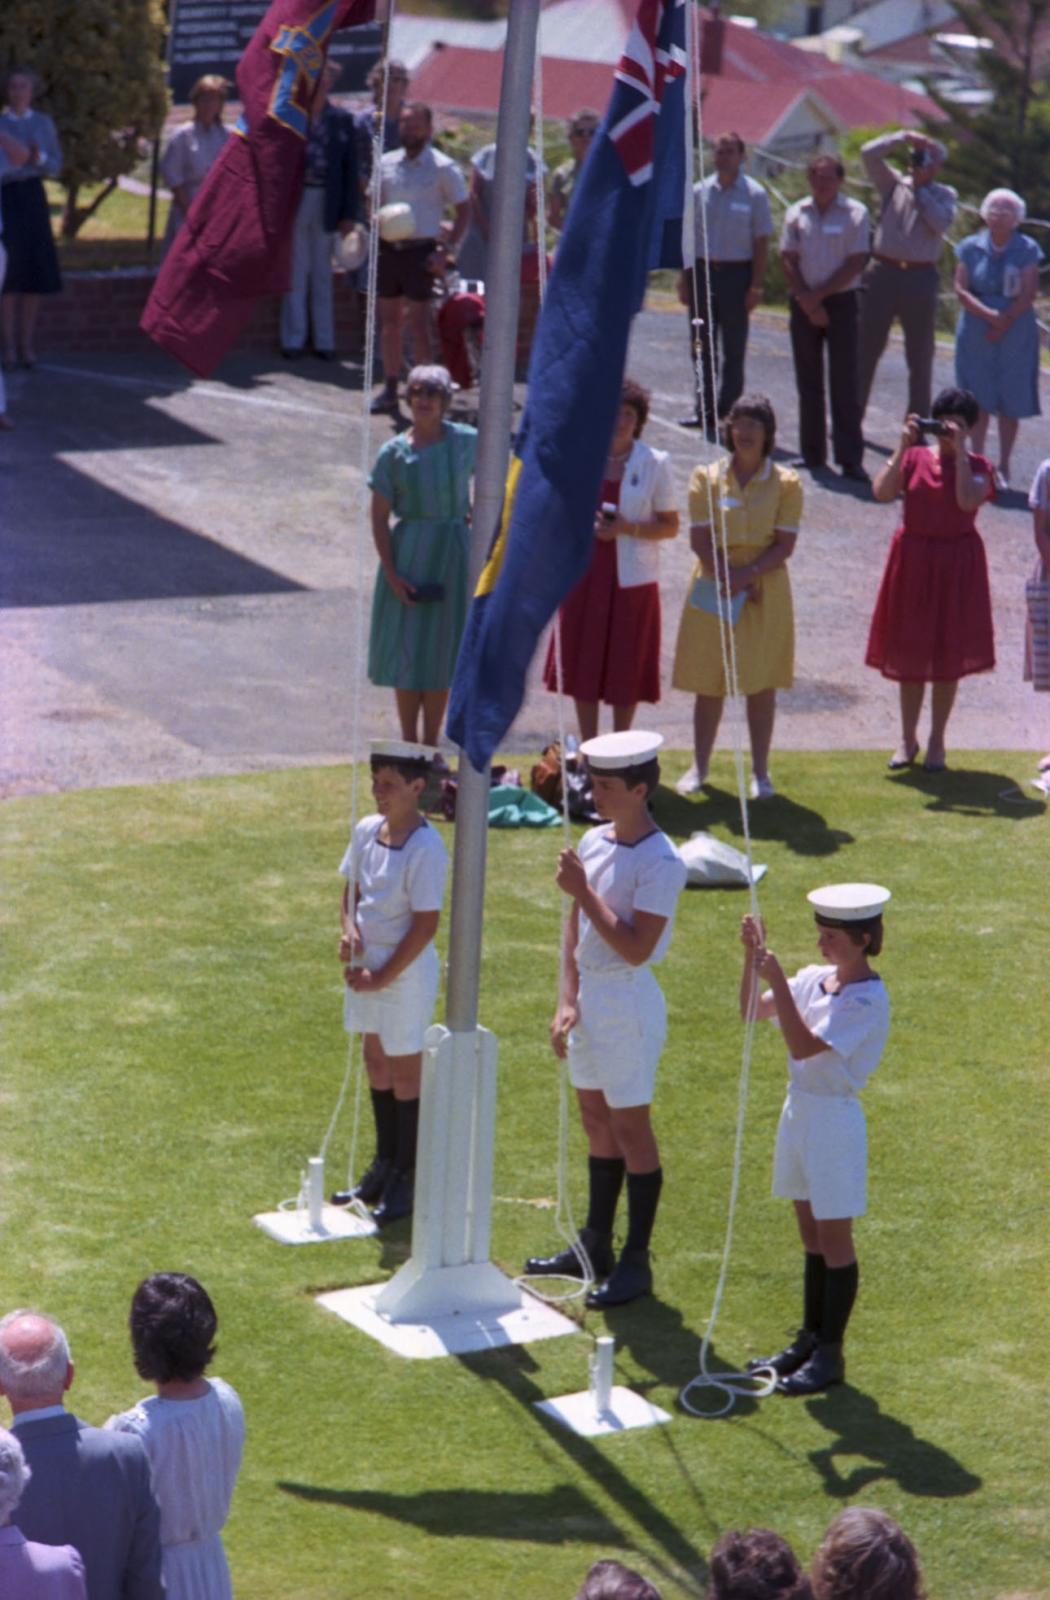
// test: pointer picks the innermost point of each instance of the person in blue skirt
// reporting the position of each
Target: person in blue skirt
(420, 513)
(32, 261)
(997, 338)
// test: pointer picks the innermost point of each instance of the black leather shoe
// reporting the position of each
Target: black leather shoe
(384, 404)
(630, 1279)
(824, 1367)
(293, 352)
(566, 1264)
(855, 474)
(367, 1188)
(397, 1198)
(787, 1361)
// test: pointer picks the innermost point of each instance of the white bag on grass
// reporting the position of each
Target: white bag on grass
(712, 864)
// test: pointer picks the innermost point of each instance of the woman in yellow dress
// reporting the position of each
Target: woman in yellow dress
(757, 507)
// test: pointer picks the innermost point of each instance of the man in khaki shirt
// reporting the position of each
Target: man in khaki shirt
(901, 279)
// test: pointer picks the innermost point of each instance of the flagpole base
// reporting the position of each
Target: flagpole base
(450, 1312)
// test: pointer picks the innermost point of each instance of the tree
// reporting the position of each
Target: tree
(101, 70)
(1004, 143)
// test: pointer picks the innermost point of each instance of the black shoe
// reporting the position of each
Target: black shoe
(787, 1361)
(630, 1279)
(824, 1367)
(800, 464)
(325, 355)
(367, 1188)
(291, 353)
(566, 1264)
(384, 404)
(398, 1195)
(855, 474)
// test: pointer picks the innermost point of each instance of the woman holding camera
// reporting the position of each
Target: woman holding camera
(610, 622)
(933, 617)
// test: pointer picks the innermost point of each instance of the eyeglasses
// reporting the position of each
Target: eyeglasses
(426, 389)
(582, 133)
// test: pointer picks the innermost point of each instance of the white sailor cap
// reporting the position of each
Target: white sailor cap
(848, 902)
(611, 751)
(397, 222)
(400, 750)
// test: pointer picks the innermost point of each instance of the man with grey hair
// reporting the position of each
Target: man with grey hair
(31, 1571)
(88, 1488)
(901, 278)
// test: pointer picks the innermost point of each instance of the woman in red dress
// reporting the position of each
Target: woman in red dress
(610, 623)
(933, 618)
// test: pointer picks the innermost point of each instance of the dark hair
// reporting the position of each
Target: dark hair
(392, 69)
(757, 1565)
(611, 1580)
(647, 772)
(632, 394)
(865, 1555)
(760, 409)
(731, 134)
(418, 105)
(872, 926)
(818, 161)
(409, 767)
(956, 403)
(172, 1325)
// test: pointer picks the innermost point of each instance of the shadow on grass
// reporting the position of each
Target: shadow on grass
(965, 792)
(560, 1515)
(780, 820)
(892, 1450)
(659, 1341)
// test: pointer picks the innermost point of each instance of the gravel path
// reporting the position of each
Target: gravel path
(181, 559)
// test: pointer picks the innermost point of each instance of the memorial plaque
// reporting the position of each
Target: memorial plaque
(210, 36)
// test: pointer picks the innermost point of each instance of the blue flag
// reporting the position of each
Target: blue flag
(624, 219)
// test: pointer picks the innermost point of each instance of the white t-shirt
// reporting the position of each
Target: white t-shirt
(647, 876)
(431, 183)
(854, 1024)
(1039, 495)
(395, 881)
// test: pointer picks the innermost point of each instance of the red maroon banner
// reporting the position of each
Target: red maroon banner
(234, 248)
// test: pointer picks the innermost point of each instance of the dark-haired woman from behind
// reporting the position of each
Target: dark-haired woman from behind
(192, 1428)
(865, 1555)
(757, 1565)
(932, 622)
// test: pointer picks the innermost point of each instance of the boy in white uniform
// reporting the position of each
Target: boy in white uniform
(835, 1019)
(396, 864)
(611, 1016)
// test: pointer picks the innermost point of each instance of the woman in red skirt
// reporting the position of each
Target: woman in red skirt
(610, 623)
(933, 617)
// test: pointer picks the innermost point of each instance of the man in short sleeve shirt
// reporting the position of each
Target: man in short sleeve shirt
(824, 246)
(733, 228)
(431, 184)
(901, 279)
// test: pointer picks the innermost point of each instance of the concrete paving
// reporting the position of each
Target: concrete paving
(182, 563)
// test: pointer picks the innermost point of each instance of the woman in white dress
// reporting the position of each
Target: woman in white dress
(193, 1431)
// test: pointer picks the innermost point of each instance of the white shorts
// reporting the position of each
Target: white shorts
(616, 1044)
(822, 1154)
(401, 1014)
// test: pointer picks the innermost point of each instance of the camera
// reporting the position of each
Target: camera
(919, 156)
(932, 425)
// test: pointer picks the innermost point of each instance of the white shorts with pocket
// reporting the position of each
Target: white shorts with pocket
(616, 1044)
(822, 1154)
(401, 1014)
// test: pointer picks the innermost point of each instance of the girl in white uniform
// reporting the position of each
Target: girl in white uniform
(835, 1020)
(396, 865)
(611, 1017)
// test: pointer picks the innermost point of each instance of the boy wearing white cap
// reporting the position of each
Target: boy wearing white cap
(396, 864)
(835, 1019)
(611, 1016)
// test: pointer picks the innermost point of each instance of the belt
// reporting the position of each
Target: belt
(905, 266)
(407, 244)
(745, 262)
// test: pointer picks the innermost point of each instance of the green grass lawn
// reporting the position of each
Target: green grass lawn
(173, 1047)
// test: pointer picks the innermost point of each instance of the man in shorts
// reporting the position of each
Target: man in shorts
(429, 183)
(611, 1016)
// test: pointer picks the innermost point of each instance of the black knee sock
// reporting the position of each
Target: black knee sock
(384, 1110)
(840, 1291)
(605, 1174)
(643, 1195)
(407, 1130)
(390, 386)
(813, 1292)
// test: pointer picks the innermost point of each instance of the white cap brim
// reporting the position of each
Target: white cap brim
(849, 902)
(400, 750)
(612, 751)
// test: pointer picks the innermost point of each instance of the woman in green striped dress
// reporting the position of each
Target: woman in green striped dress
(420, 512)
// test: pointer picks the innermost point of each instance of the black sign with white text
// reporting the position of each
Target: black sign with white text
(210, 36)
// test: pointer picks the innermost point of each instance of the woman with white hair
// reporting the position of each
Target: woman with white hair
(997, 339)
(30, 1571)
(420, 512)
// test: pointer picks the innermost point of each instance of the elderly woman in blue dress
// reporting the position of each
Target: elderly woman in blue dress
(32, 261)
(997, 339)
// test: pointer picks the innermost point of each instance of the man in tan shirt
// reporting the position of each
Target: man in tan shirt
(901, 279)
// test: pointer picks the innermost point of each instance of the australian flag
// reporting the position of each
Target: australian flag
(625, 219)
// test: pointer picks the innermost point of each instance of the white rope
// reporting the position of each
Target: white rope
(727, 1384)
(564, 1221)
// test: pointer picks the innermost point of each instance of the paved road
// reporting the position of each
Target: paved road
(182, 561)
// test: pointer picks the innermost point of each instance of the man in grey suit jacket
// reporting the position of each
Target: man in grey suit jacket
(89, 1488)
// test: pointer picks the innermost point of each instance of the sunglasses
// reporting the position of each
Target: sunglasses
(426, 389)
(583, 133)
